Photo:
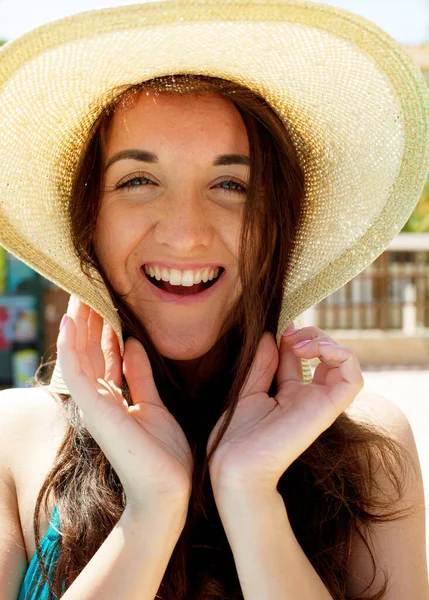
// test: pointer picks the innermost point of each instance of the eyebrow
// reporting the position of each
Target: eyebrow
(141, 155)
(149, 157)
(231, 159)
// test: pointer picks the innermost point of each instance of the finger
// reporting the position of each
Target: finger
(112, 355)
(343, 365)
(289, 365)
(89, 394)
(319, 376)
(343, 359)
(95, 352)
(69, 360)
(139, 376)
(290, 329)
(307, 333)
(79, 312)
(263, 368)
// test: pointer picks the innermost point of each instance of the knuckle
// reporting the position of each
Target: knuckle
(314, 331)
(351, 353)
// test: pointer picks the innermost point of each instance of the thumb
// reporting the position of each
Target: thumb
(138, 373)
(264, 367)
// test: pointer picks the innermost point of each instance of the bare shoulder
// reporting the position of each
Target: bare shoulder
(391, 421)
(382, 412)
(23, 396)
(399, 545)
(30, 421)
(20, 405)
(26, 413)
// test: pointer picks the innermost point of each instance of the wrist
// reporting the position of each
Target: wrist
(227, 480)
(250, 515)
(170, 513)
(245, 500)
(239, 486)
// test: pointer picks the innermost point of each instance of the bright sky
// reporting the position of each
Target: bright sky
(405, 20)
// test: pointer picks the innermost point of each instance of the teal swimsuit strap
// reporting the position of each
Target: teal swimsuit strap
(32, 587)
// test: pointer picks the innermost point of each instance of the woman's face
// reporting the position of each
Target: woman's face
(177, 168)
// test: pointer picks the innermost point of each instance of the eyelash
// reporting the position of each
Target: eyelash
(127, 184)
(242, 190)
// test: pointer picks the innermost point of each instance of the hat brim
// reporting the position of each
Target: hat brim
(353, 101)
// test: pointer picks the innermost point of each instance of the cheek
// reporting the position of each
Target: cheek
(113, 244)
(230, 230)
(103, 236)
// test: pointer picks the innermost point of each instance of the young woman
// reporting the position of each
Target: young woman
(192, 217)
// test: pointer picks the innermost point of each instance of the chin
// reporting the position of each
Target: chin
(189, 349)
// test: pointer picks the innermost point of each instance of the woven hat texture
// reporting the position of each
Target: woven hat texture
(353, 101)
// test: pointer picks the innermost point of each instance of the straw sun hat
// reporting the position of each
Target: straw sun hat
(354, 103)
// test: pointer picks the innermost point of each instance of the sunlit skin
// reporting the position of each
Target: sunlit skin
(183, 208)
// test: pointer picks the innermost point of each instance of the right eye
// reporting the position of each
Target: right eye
(134, 181)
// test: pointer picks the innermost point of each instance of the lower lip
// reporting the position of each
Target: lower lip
(180, 299)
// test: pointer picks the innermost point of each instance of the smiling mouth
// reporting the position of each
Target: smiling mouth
(181, 290)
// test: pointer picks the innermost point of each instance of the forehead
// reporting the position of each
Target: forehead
(174, 118)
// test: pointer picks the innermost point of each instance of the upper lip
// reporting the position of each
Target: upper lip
(182, 266)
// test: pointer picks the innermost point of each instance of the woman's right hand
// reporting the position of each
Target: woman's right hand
(144, 443)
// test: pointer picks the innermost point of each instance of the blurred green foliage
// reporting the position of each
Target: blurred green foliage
(419, 220)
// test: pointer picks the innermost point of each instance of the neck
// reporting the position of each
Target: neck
(198, 371)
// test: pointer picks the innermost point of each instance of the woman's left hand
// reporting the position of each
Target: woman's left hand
(267, 434)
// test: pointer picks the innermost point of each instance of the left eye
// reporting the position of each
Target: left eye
(230, 185)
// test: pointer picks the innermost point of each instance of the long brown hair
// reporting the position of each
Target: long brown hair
(328, 491)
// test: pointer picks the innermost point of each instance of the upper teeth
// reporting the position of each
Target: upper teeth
(185, 278)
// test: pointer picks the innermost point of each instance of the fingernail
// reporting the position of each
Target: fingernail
(326, 344)
(63, 321)
(290, 332)
(301, 344)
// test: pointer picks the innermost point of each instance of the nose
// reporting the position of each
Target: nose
(183, 222)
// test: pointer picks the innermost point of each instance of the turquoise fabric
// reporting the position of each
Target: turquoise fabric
(29, 589)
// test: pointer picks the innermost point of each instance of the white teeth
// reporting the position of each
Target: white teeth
(175, 277)
(185, 278)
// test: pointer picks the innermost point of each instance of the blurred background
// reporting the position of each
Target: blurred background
(383, 314)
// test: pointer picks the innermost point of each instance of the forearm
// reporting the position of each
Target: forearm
(131, 562)
(269, 560)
